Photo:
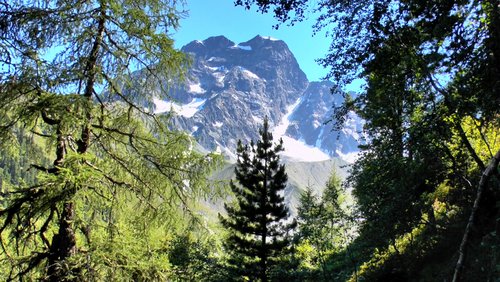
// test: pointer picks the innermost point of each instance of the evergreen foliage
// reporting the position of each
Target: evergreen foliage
(80, 76)
(193, 258)
(259, 232)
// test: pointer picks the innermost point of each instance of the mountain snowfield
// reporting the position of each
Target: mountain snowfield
(296, 150)
(231, 88)
(186, 110)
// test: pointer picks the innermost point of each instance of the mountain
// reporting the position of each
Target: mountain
(232, 87)
(307, 123)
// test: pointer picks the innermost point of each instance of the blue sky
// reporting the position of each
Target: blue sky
(220, 17)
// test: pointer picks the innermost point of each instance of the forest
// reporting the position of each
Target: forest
(96, 187)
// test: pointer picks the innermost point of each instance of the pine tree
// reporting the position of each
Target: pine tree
(257, 222)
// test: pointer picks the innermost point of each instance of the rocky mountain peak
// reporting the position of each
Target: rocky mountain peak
(264, 56)
(218, 42)
(232, 87)
(261, 42)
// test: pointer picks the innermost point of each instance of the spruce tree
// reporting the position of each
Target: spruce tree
(257, 222)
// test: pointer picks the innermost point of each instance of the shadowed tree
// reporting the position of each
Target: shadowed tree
(324, 227)
(257, 222)
(431, 99)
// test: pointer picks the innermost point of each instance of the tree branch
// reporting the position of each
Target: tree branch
(471, 150)
(90, 73)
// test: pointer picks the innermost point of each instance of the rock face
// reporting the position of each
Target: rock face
(232, 87)
(308, 123)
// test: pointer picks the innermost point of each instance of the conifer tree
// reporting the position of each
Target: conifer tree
(80, 78)
(257, 222)
(325, 227)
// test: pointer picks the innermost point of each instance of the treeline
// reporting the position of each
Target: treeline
(15, 162)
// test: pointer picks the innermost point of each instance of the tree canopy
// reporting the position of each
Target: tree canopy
(78, 78)
(430, 102)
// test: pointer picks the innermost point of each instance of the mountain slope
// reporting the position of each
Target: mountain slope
(232, 87)
(301, 175)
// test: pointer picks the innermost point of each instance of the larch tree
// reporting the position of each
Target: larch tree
(79, 77)
(257, 222)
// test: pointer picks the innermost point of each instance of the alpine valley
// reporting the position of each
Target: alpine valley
(231, 87)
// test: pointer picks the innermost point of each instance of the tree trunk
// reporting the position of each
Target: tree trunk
(63, 246)
(263, 201)
(490, 170)
(263, 266)
(64, 242)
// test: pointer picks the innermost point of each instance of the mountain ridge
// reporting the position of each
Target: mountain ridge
(232, 86)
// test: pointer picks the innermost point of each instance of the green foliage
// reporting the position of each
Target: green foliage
(115, 206)
(325, 228)
(258, 231)
(15, 159)
(195, 259)
(79, 79)
(431, 110)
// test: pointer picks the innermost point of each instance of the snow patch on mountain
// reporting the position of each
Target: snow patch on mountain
(320, 136)
(243, 47)
(196, 88)
(219, 76)
(348, 157)
(270, 38)
(250, 74)
(221, 150)
(216, 69)
(296, 150)
(185, 110)
(257, 119)
(280, 128)
(188, 110)
(316, 124)
(354, 127)
(211, 59)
